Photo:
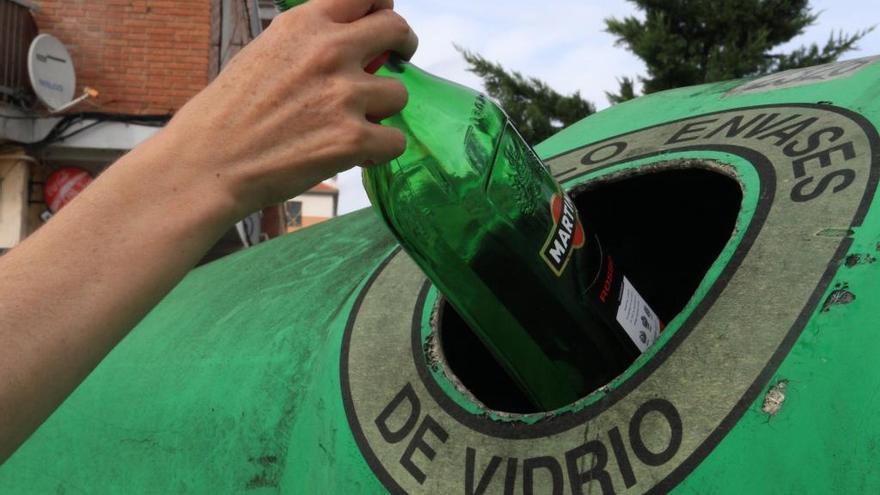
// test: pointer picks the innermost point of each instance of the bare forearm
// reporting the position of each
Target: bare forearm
(128, 240)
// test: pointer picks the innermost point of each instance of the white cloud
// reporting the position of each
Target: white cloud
(848, 16)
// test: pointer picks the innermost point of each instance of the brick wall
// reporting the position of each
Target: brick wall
(144, 56)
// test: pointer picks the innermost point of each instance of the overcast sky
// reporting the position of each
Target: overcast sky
(563, 43)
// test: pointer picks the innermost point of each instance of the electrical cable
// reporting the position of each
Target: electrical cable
(57, 133)
(20, 117)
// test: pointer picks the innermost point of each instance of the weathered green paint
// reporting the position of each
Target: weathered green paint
(234, 382)
(230, 384)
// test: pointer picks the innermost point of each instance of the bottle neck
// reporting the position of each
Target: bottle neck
(283, 5)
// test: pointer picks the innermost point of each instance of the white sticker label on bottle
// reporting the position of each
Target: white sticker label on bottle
(637, 319)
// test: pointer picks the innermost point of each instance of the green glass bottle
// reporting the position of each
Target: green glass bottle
(479, 212)
(283, 5)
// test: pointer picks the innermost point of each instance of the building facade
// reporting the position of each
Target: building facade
(136, 62)
(316, 205)
(144, 57)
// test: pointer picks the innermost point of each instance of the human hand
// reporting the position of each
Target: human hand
(295, 106)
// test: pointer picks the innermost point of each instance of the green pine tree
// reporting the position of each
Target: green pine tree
(627, 91)
(534, 107)
(687, 42)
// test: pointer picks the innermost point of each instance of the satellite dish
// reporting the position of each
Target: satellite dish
(50, 69)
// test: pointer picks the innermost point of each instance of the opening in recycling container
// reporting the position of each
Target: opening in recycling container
(666, 225)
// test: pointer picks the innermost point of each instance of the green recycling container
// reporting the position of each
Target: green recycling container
(324, 362)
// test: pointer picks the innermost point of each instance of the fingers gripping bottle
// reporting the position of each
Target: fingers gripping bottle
(481, 215)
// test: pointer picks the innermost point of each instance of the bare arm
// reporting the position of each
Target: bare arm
(294, 107)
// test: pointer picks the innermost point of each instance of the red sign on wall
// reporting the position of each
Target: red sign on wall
(63, 185)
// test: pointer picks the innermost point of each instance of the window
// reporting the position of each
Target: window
(293, 213)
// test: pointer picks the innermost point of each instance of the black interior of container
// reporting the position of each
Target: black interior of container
(664, 227)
